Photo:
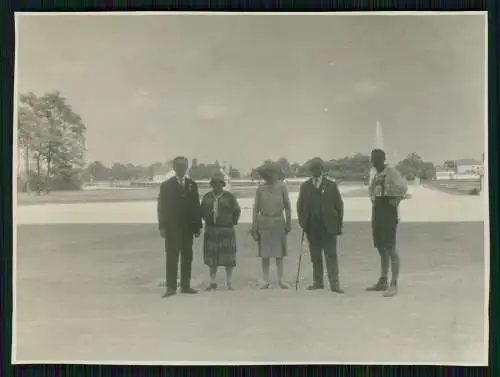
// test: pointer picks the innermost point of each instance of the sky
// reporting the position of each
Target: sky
(245, 88)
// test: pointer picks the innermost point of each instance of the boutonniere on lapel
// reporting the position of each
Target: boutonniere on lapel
(323, 188)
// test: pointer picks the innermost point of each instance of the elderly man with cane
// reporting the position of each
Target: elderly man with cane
(320, 210)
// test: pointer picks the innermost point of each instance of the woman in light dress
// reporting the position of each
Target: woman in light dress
(221, 212)
(271, 222)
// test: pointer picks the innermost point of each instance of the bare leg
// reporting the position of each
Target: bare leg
(213, 274)
(394, 264)
(384, 263)
(229, 275)
(381, 285)
(393, 289)
(279, 268)
(265, 272)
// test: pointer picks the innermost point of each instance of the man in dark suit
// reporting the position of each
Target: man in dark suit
(179, 219)
(320, 210)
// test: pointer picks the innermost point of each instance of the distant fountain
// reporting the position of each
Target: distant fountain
(226, 170)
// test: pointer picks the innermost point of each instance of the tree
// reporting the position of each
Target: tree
(353, 168)
(234, 173)
(119, 172)
(26, 128)
(427, 171)
(64, 144)
(98, 171)
(285, 167)
(51, 134)
(450, 165)
(414, 166)
(32, 136)
(153, 168)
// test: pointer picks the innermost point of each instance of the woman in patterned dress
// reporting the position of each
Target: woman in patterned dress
(221, 212)
(271, 222)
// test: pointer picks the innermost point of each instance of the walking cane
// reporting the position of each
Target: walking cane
(300, 260)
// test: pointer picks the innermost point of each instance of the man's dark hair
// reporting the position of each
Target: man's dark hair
(180, 158)
(378, 152)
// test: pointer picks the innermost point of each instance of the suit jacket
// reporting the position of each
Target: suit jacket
(179, 207)
(332, 205)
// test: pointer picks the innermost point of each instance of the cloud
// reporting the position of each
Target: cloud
(64, 68)
(141, 98)
(210, 111)
(365, 87)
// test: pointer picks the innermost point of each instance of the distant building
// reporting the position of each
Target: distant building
(469, 166)
(161, 176)
(444, 174)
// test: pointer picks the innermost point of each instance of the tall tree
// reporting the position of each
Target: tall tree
(33, 133)
(27, 123)
(64, 142)
(51, 134)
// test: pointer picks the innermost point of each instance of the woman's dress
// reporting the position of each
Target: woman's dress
(271, 219)
(221, 213)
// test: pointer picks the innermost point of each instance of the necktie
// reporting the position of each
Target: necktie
(216, 206)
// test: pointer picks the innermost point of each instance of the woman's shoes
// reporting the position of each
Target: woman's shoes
(284, 286)
(281, 285)
(212, 287)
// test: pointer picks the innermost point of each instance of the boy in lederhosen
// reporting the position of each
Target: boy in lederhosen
(386, 189)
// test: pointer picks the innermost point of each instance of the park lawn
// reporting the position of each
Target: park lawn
(91, 292)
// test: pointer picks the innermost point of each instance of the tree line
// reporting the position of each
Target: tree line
(353, 168)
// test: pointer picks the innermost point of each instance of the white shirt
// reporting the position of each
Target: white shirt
(317, 181)
(181, 180)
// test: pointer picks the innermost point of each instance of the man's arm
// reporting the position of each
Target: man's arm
(236, 210)
(196, 209)
(255, 215)
(338, 204)
(371, 188)
(162, 207)
(397, 184)
(288, 209)
(300, 205)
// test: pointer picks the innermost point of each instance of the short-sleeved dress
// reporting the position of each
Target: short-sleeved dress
(221, 213)
(271, 219)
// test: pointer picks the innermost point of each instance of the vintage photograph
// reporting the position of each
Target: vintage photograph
(231, 188)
